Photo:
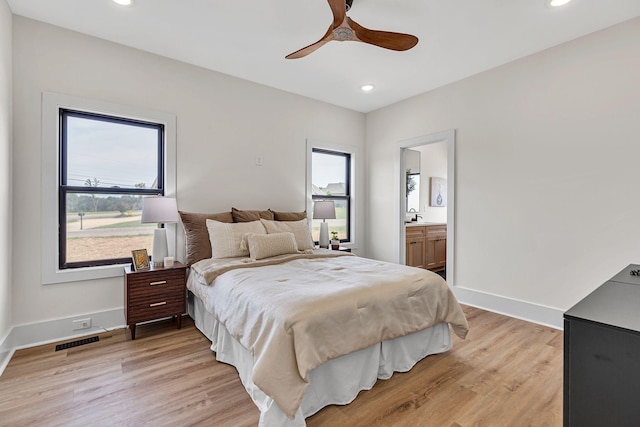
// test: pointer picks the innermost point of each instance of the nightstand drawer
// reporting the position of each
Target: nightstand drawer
(136, 299)
(155, 308)
(148, 292)
(155, 282)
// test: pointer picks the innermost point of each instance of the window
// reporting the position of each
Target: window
(331, 180)
(89, 169)
(107, 164)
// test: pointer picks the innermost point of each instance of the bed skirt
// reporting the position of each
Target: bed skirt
(337, 381)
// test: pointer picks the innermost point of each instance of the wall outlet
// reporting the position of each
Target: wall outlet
(81, 324)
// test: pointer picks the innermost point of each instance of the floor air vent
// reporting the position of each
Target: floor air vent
(77, 343)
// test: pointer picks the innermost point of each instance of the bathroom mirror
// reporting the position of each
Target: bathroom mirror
(413, 192)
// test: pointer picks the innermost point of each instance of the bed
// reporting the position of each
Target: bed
(306, 327)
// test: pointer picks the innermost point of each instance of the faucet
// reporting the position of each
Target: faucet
(415, 218)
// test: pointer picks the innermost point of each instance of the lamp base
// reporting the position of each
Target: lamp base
(160, 249)
(324, 235)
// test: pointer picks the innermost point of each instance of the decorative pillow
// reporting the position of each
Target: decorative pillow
(288, 216)
(226, 238)
(268, 245)
(197, 243)
(300, 230)
(248, 216)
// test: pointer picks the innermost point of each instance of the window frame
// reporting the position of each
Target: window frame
(347, 189)
(355, 179)
(64, 188)
(52, 103)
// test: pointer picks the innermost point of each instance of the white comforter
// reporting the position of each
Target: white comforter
(298, 314)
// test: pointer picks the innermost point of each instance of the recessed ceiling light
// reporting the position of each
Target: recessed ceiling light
(123, 2)
(367, 87)
(557, 3)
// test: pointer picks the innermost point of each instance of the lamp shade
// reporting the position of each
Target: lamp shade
(160, 210)
(325, 209)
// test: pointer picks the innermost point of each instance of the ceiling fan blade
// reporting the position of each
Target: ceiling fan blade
(312, 47)
(339, 9)
(386, 39)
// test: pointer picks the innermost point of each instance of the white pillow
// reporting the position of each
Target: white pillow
(300, 230)
(268, 245)
(226, 237)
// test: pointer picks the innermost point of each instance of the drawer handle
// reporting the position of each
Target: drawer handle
(161, 282)
(157, 304)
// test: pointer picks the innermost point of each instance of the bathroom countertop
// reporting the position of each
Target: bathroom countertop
(419, 223)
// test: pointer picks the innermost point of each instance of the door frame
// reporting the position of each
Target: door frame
(449, 137)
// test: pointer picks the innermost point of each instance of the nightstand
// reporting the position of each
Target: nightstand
(154, 294)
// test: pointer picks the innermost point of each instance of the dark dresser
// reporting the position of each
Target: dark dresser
(602, 355)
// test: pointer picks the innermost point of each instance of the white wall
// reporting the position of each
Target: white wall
(547, 168)
(5, 174)
(223, 124)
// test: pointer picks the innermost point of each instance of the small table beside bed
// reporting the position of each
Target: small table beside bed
(306, 327)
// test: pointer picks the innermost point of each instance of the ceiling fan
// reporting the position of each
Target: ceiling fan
(344, 28)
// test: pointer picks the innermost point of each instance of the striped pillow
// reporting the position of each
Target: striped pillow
(226, 238)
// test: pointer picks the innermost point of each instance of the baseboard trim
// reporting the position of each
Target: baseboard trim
(34, 334)
(530, 312)
(6, 351)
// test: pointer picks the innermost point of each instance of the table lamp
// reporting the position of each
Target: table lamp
(161, 210)
(324, 209)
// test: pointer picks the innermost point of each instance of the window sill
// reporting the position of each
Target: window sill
(81, 274)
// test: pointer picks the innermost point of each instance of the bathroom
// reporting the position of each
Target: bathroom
(426, 180)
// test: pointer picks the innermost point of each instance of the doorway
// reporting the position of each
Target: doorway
(448, 138)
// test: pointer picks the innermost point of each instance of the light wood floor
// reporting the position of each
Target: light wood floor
(506, 373)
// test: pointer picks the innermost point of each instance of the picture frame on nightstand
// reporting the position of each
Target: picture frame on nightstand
(140, 260)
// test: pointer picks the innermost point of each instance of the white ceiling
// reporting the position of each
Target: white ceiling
(250, 38)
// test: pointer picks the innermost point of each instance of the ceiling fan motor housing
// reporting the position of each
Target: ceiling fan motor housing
(342, 34)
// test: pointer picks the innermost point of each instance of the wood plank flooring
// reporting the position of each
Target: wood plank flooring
(506, 373)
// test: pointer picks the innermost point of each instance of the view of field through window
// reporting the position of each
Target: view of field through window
(109, 233)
